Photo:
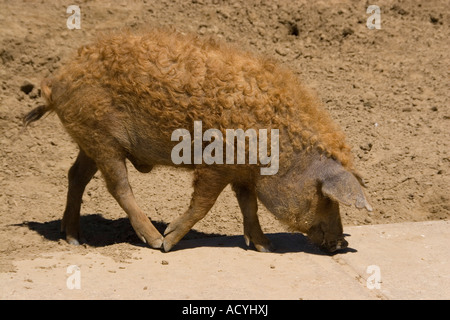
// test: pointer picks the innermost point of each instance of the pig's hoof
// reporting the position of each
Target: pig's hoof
(148, 234)
(172, 235)
(72, 240)
(157, 243)
(265, 248)
(153, 242)
(167, 246)
(262, 245)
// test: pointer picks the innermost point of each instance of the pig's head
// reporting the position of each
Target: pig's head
(307, 194)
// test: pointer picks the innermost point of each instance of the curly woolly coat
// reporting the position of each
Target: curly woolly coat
(124, 95)
(168, 80)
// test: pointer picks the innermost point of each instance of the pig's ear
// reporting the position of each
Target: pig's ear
(346, 189)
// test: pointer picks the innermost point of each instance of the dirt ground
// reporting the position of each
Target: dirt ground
(387, 88)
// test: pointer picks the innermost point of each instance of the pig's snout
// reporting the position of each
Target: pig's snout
(332, 246)
(326, 240)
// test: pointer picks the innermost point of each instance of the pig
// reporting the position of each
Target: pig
(123, 95)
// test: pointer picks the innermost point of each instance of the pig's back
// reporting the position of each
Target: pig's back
(160, 81)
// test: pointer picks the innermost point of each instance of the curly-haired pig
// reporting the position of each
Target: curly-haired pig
(125, 95)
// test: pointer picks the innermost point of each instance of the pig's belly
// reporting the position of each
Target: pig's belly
(149, 151)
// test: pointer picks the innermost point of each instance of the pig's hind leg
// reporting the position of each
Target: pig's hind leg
(247, 200)
(115, 174)
(80, 174)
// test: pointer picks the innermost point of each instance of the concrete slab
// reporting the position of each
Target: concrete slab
(412, 259)
(396, 261)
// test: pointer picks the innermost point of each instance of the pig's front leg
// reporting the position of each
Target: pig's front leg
(247, 200)
(208, 184)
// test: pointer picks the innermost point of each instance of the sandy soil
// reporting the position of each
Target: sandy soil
(387, 88)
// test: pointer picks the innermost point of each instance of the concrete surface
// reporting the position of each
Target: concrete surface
(398, 261)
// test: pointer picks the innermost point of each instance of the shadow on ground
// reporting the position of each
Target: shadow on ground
(283, 243)
(98, 231)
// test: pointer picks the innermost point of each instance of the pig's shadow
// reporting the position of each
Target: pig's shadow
(283, 243)
(98, 231)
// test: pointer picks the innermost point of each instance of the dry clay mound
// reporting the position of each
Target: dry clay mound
(387, 88)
